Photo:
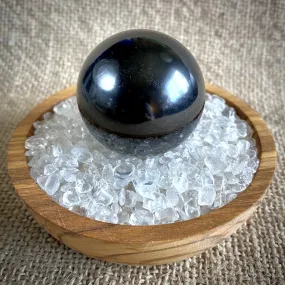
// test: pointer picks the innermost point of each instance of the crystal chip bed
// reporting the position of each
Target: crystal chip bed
(208, 170)
(149, 244)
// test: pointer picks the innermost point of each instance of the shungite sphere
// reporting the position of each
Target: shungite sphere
(140, 92)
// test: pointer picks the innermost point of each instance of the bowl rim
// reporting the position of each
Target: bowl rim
(211, 223)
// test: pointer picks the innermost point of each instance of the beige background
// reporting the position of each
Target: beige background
(238, 44)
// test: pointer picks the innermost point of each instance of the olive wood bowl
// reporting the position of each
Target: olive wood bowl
(140, 245)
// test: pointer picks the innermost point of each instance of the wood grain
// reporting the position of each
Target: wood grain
(140, 244)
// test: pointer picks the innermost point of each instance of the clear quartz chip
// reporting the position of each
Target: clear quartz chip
(141, 217)
(120, 183)
(115, 208)
(105, 214)
(67, 161)
(64, 108)
(124, 218)
(34, 173)
(85, 188)
(243, 146)
(181, 183)
(122, 197)
(69, 174)
(215, 165)
(157, 204)
(172, 197)
(190, 196)
(130, 199)
(52, 184)
(166, 216)
(55, 150)
(44, 160)
(35, 142)
(206, 177)
(147, 191)
(124, 170)
(82, 155)
(99, 158)
(242, 129)
(49, 169)
(41, 180)
(206, 196)
(192, 211)
(108, 173)
(70, 199)
(68, 187)
(232, 150)
(103, 197)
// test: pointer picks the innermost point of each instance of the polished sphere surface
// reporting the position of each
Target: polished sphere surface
(140, 92)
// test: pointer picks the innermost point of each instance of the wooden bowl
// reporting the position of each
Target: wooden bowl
(140, 244)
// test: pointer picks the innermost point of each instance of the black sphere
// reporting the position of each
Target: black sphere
(140, 92)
